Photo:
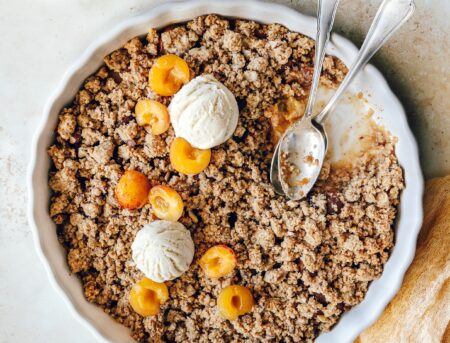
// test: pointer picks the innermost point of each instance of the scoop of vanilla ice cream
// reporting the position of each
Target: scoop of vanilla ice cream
(204, 112)
(163, 250)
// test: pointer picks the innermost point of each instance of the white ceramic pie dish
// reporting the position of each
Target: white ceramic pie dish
(387, 108)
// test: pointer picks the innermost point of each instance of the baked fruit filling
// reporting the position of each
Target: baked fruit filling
(168, 74)
(283, 114)
(218, 261)
(234, 301)
(152, 114)
(186, 159)
(166, 203)
(147, 296)
(132, 190)
(160, 183)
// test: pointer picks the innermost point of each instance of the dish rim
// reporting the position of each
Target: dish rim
(345, 330)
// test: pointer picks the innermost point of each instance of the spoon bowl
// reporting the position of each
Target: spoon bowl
(299, 165)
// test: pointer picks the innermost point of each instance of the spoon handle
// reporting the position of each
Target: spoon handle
(390, 16)
(326, 12)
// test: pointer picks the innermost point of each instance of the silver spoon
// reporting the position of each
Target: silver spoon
(326, 11)
(299, 155)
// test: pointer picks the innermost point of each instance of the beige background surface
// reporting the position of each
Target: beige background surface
(41, 38)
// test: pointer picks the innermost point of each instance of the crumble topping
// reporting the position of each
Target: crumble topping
(306, 262)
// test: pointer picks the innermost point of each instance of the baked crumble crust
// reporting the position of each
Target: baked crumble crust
(305, 262)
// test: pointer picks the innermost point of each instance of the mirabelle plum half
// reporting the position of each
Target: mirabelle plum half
(218, 261)
(152, 115)
(166, 203)
(132, 190)
(186, 159)
(147, 296)
(168, 74)
(234, 301)
(284, 113)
